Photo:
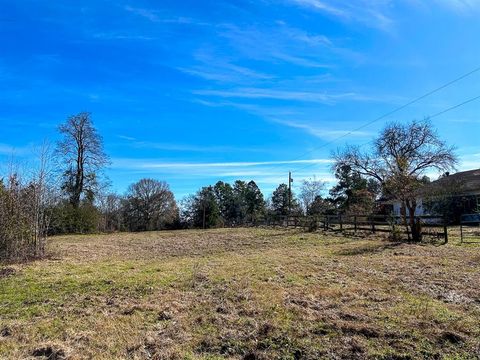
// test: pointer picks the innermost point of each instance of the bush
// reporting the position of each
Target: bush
(396, 234)
(67, 219)
(22, 220)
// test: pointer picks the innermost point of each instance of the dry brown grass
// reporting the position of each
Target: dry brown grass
(242, 294)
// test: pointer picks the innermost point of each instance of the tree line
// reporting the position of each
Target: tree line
(66, 191)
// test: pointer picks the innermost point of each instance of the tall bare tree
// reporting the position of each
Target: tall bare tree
(399, 160)
(82, 154)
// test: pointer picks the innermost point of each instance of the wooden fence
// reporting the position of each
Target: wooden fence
(470, 227)
(433, 226)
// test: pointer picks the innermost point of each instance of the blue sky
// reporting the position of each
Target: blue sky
(192, 92)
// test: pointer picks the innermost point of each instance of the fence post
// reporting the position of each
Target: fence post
(461, 232)
(445, 230)
(341, 222)
(355, 224)
(373, 225)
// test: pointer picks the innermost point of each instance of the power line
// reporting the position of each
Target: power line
(454, 107)
(428, 117)
(390, 113)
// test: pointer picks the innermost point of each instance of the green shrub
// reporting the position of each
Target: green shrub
(67, 219)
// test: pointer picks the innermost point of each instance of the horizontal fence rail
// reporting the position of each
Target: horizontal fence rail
(431, 225)
(470, 227)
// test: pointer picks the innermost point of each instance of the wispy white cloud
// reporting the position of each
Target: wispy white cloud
(257, 93)
(463, 120)
(10, 150)
(149, 14)
(224, 74)
(153, 164)
(461, 6)
(155, 16)
(279, 44)
(292, 95)
(371, 13)
(136, 143)
(379, 13)
(320, 128)
(211, 67)
(125, 137)
(122, 36)
(266, 173)
(464, 7)
(324, 6)
(322, 132)
(305, 37)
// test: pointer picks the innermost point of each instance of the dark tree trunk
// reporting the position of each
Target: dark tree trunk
(414, 224)
(403, 212)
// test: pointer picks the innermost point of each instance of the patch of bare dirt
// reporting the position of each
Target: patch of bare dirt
(49, 352)
(7, 271)
(5, 332)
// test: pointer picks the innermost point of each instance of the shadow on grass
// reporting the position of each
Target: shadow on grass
(369, 249)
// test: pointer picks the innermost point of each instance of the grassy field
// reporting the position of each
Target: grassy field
(241, 294)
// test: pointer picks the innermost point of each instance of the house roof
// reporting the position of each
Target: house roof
(461, 183)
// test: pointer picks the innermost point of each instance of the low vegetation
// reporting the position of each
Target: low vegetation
(241, 294)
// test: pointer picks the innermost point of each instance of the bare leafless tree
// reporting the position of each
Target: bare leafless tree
(82, 156)
(149, 205)
(24, 200)
(110, 206)
(399, 160)
(310, 190)
(43, 186)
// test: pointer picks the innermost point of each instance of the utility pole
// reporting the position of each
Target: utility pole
(290, 180)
